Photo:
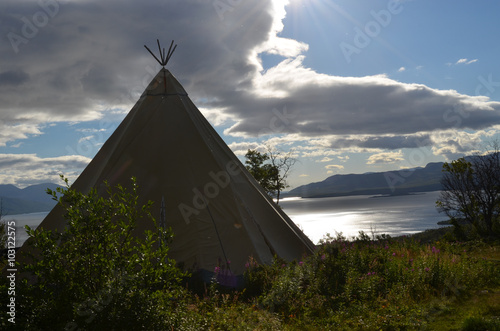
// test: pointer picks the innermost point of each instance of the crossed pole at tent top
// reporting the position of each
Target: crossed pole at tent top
(164, 59)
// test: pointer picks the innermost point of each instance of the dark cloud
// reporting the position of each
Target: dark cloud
(384, 142)
(88, 55)
(13, 77)
(369, 105)
(92, 52)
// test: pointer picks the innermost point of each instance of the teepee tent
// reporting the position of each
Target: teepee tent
(216, 210)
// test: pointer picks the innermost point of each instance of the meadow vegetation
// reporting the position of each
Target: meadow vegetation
(362, 283)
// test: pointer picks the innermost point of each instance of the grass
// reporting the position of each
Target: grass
(479, 308)
(384, 284)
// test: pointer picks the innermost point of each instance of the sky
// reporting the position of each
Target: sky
(346, 86)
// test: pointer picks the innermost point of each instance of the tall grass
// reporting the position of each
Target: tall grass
(385, 283)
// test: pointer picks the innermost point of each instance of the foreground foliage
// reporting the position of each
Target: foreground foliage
(98, 275)
(362, 284)
(367, 284)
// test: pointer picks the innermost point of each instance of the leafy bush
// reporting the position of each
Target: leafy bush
(471, 195)
(98, 274)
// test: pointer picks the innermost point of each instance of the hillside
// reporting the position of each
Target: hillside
(389, 182)
(31, 199)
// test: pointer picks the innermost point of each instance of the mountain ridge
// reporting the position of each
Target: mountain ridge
(397, 182)
(34, 198)
(31, 199)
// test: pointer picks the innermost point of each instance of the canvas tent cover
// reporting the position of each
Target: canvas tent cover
(215, 208)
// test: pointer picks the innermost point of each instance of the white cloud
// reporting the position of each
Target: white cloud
(386, 157)
(90, 130)
(82, 139)
(334, 166)
(215, 115)
(465, 61)
(277, 45)
(401, 69)
(21, 169)
(15, 131)
(453, 144)
(316, 150)
(241, 148)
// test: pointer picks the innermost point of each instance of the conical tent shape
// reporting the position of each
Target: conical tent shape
(216, 210)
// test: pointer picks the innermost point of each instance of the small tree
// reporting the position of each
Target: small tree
(471, 193)
(261, 171)
(99, 273)
(271, 176)
(281, 165)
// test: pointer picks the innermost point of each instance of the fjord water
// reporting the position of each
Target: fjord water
(393, 215)
(32, 220)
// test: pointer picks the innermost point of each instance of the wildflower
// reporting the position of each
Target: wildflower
(247, 265)
(427, 269)
(393, 254)
(283, 265)
(301, 263)
(323, 257)
(217, 269)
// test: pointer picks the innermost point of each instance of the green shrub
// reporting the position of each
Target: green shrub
(98, 274)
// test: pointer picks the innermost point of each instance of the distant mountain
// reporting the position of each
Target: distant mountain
(389, 182)
(31, 199)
